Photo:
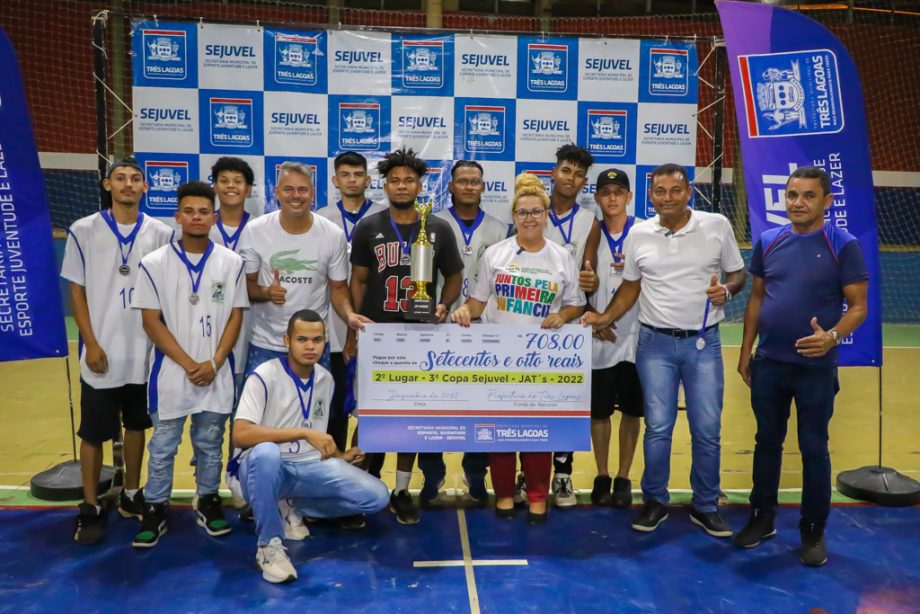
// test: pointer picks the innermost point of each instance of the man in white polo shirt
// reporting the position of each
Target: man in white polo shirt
(676, 259)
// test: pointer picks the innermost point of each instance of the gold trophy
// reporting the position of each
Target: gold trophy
(421, 304)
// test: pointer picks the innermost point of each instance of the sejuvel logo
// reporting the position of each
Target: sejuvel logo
(485, 433)
(484, 128)
(165, 53)
(359, 125)
(231, 122)
(606, 132)
(423, 63)
(296, 59)
(668, 74)
(164, 177)
(788, 94)
(547, 67)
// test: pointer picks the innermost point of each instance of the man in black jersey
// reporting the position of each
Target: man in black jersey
(381, 285)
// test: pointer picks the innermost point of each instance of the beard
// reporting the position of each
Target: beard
(408, 204)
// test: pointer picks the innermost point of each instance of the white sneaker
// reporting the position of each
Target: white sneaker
(563, 492)
(294, 528)
(274, 562)
(236, 492)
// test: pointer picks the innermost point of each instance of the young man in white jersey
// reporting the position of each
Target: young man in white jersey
(233, 179)
(352, 180)
(614, 379)
(191, 296)
(475, 231)
(294, 260)
(101, 263)
(281, 423)
(576, 229)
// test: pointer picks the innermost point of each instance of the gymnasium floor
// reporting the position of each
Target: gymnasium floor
(584, 560)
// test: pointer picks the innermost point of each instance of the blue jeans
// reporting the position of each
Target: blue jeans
(329, 488)
(475, 465)
(663, 363)
(774, 384)
(207, 443)
(257, 356)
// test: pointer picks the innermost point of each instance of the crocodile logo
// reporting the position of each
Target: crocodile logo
(286, 263)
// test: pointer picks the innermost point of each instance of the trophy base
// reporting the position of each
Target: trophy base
(422, 309)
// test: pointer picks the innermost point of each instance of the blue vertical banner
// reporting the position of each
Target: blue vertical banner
(799, 102)
(31, 316)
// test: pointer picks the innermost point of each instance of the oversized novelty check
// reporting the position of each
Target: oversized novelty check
(486, 388)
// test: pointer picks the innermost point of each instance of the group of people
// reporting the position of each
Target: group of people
(258, 319)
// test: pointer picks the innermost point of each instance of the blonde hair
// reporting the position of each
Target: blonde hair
(527, 184)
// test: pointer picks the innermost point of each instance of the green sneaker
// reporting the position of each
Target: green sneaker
(210, 516)
(153, 525)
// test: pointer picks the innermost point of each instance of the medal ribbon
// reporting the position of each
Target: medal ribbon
(404, 246)
(354, 218)
(230, 241)
(193, 268)
(301, 387)
(123, 240)
(616, 245)
(559, 221)
(467, 231)
(705, 317)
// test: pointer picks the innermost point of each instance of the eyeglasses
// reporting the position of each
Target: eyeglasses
(523, 214)
(468, 183)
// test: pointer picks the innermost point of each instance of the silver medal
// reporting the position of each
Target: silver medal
(405, 260)
(193, 298)
(571, 248)
(124, 270)
(700, 343)
(468, 250)
(348, 247)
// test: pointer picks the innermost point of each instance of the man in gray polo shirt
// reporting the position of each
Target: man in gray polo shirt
(677, 259)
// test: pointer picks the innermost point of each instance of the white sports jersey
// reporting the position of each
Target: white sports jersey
(272, 398)
(92, 258)
(576, 228)
(166, 284)
(521, 287)
(605, 353)
(230, 237)
(306, 263)
(489, 232)
(347, 222)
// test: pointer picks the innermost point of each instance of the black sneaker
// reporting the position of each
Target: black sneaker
(352, 523)
(813, 552)
(246, 513)
(153, 525)
(131, 508)
(90, 528)
(711, 522)
(622, 493)
(401, 504)
(600, 494)
(758, 528)
(653, 514)
(210, 516)
(476, 491)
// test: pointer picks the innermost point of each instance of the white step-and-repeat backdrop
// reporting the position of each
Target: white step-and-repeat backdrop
(268, 95)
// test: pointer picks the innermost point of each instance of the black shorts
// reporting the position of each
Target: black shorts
(616, 387)
(101, 408)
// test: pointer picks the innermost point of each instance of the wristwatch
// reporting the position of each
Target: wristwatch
(835, 335)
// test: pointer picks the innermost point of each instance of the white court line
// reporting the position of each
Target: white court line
(482, 563)
(468, 563)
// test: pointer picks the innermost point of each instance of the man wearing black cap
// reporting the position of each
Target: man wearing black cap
(101, 263)
(614, 379)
